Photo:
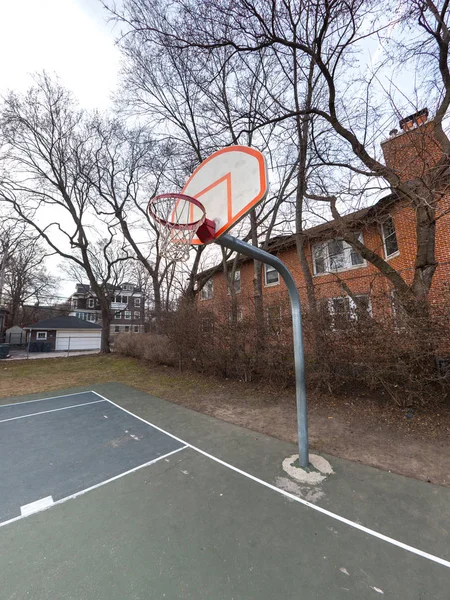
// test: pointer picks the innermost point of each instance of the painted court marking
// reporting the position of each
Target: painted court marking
(45, 506)
(37, 506)
(324, 511)
(44, 412)
(46, 502)
(49, 398)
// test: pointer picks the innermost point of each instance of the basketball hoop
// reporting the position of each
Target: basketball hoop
(181, 217)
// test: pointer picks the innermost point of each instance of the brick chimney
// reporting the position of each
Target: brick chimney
(413, 151)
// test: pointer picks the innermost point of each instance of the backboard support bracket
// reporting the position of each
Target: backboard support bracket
(228, 241)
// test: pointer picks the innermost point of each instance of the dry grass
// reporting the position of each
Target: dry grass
(23, 377)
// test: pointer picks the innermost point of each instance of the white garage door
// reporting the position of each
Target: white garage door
(78, 340)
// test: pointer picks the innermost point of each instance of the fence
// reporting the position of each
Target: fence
(59, 346)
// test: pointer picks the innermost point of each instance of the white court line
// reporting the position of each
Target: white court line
(41, 399)
(36, 506)
(44, 412)
(93, 487)
(324, 511)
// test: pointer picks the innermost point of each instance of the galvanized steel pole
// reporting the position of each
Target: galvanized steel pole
(233, 243)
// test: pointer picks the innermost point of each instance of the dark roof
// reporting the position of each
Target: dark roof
(86, 288)
(355, 219)
(64, 323)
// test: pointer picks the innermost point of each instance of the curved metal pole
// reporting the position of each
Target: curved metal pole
(233, 243)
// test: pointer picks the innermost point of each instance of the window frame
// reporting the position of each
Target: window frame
(126, 328)
(137, 303)
(347, 255)
(136, 328)
(239, 315)
(116, 328)
(91, 320)
(39, 333)
(270, 283)
(277, 326)
(352, 309)
(208, 284)
(137, 314)
(384, 237)
(127, 312)
(118, 314)
(207, 319)
(90, 303)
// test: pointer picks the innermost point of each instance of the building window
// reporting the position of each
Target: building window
(398, 310)
(136, 329)
(127, 329)
(121, 299)
(273, 318)
(238, 316)
(207, 291)
(91, 303)
(117, 329)
(91, 317)
(118, 315)
(344, 310)
(127, 287)
(207, 324)
(137, 302)
(335, 255)
(137, 314)
(271, 276)
(389, 237)
(237, 281)
(128, 314)
(41, 335)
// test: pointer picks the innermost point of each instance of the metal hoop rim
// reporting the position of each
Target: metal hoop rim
(171, 224)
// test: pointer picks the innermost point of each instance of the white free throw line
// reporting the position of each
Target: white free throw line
(44, 412)
(37, 506)
(324, 511)
(93, 487)
(41, 399)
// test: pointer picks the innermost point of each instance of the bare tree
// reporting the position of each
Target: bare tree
(46, 151)
(329, 34)
(26, 278)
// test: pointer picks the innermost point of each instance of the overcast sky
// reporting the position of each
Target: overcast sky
(70, 38)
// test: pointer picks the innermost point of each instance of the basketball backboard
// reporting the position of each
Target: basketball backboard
(229, 183)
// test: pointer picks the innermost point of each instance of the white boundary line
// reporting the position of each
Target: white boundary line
(93, 487)
(41, 399)
(44, 412)
(315, 507)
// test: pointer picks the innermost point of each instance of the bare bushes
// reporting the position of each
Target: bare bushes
(155, 348)
(376, 350)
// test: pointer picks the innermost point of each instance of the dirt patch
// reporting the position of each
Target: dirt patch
(361, 428)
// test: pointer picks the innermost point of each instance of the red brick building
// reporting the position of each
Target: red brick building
(339, 273)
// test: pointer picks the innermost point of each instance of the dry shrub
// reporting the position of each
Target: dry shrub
(147, 346)
(388, 354)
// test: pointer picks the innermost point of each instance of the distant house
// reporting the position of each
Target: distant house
(127, 307)
(66, 333)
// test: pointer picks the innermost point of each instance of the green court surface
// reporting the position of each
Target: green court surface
(208, 520)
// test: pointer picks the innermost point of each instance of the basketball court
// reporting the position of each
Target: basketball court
(110, 493)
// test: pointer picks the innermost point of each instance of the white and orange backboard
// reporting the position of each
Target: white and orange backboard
(229, 183)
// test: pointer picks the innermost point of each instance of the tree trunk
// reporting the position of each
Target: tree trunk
(106, 322)
(157, 302)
